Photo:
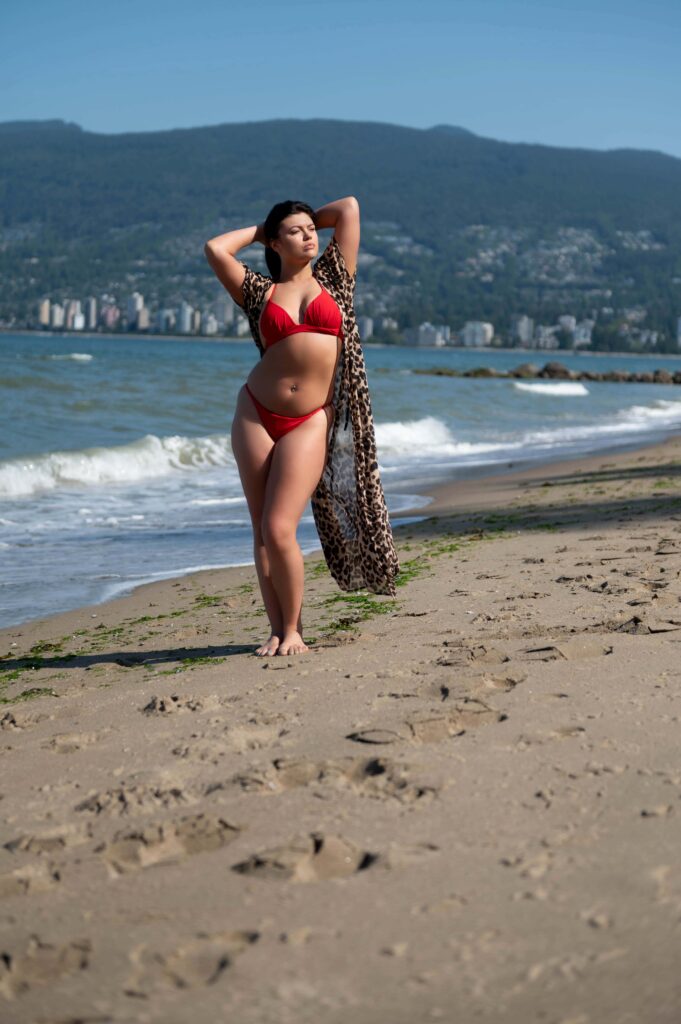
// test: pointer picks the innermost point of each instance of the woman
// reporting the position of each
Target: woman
(302, 427)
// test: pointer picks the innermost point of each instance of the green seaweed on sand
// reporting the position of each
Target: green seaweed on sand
(358, 607)
(318, 570)
(30, 694)
(409, 570)
(208, 600)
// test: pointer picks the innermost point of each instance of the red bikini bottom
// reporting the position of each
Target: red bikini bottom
(275, 424)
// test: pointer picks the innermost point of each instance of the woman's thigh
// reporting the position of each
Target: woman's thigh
(295, 470)
(252, 448)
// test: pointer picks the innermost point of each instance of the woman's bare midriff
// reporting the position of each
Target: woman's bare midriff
(296, 374)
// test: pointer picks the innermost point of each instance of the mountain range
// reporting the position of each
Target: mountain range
(455, 225)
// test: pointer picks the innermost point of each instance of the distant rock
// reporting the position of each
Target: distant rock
(483, 371)
(525, 370)
(557, 371)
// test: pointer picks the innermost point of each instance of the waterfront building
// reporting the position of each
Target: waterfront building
(184, 320)
(91, 313)
(209, 324)
(366, 327)
(522, 329)
(477, 333)
(56, 315)
(133, 305)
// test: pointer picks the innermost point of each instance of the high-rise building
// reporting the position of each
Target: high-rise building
(477, 333)
(56, 315)
(241, 327)
(582, 336)
(111, 314)
(44, 313)
(132, 307)
(71, 311)
(545, 336)
(196, 321)
(209, 324)
(143, 319)
(184, 320)
(91, 313)
(225, 310)
(386, 323)
(522, 329)
(366, 327)
(165, 320)
(428, 334)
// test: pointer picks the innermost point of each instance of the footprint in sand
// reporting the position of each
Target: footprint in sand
(317, 857)
(459, 654)
(20, 719)
(131, 798)
(28, 879)
(258, 732)
(568, 650)
(165, 843)
(200, 749)
(505, 682)
(70, 742)
(41, 963)
(434, 727)
(308, 859)
(373, 777)
(51, 840)
(169, 704)
(200, 961)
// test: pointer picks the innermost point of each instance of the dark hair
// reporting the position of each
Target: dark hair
(271, 229)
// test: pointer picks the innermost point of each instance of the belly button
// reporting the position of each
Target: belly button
(294, 387)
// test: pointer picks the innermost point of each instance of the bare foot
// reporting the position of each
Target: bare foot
(292, 643)
(269, 647)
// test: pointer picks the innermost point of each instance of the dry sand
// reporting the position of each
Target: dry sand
(460, 806)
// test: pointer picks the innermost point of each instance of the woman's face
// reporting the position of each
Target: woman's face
(297, 240)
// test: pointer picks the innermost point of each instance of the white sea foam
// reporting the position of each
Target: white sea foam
(78, 357)
(634, 419)
(145, 459)
(217, 501)
(425, 437)
(562, 388)
(403, 442)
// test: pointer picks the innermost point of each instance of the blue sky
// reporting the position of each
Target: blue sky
(599, 75)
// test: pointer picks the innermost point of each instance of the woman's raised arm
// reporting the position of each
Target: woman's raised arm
(221, 254)
(343, 216)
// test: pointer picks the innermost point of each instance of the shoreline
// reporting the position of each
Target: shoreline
(551, 354)
(483, 489)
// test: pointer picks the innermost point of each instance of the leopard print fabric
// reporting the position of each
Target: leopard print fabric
(348, 504)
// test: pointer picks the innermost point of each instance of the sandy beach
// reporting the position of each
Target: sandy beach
(462, 805)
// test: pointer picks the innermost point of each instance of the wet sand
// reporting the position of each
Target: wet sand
(462, 805)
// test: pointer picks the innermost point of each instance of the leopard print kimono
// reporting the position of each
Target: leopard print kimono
(348, 504)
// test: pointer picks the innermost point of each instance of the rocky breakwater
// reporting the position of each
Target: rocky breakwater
(558, 371)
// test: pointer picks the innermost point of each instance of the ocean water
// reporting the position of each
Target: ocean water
(116, 467)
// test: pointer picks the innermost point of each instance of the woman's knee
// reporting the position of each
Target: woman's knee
(278, 532)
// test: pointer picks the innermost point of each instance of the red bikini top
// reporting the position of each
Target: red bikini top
(322, 316)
